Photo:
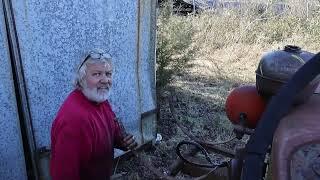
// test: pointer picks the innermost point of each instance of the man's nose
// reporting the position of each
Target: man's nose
(105, 79)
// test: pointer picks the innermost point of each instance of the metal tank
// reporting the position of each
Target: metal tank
(42, 42)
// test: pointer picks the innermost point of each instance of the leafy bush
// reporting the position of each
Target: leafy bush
(174, 45)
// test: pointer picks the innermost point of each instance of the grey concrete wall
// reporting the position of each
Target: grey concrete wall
(12, 165)
(53, 36)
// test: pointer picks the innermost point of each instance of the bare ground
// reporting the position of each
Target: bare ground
(194, 117)
(197, 99)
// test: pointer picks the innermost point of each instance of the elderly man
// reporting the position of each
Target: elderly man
(85, 130)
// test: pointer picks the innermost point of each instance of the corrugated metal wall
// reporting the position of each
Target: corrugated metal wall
(53, 36)
(12, 164)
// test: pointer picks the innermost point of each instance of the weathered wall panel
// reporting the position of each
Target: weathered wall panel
(146, 67)
(12, 165)
(147, 50)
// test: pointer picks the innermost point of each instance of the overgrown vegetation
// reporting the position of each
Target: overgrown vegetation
(174, 45)
(201, 57)
(182, 39)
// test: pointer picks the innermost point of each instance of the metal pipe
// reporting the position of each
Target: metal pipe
(21, 92)
(138, 64)
(178, 164)
(194, 6)
(218, 150)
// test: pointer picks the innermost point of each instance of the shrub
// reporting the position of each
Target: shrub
(174, 45)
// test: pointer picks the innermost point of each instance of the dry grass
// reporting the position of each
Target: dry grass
(227, 46)
(230, 42)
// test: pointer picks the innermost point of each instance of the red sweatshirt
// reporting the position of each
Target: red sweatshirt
(82, 139)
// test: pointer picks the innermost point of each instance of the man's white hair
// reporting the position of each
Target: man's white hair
(88, 59)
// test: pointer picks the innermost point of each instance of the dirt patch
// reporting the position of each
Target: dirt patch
(188, 109)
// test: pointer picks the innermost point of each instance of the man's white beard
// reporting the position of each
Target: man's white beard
(95, 94)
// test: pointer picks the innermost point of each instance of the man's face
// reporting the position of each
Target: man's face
(97, 82)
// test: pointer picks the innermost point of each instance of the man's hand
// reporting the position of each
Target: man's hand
(128, 143)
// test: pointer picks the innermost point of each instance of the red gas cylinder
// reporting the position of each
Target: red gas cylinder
(246, 100)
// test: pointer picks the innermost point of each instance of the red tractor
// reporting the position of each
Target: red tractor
(281, 116)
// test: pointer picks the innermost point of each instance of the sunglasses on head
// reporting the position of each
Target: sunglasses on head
(95, 55)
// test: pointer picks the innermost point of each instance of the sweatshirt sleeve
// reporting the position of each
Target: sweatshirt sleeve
(118, 135)
(70, 149)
